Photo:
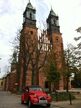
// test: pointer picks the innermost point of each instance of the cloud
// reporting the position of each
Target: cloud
(5, 7)
(11, 19)
(42, 11)
(10, 22)
(10, 6)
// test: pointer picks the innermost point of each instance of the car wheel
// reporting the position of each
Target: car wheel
(29, 104)
(22, 102)
(48, 105)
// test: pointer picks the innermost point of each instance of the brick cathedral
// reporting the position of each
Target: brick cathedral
(54, 36)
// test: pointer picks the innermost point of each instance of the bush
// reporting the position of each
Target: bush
(62, 96)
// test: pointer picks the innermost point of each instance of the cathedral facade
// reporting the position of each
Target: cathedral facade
(53, 37)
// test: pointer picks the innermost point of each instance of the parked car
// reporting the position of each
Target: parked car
(35, 95)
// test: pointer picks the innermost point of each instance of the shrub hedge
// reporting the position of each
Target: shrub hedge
(62, 96)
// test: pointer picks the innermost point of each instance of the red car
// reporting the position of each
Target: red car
(35, 95)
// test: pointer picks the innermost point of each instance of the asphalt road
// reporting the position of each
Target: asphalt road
(8, 100)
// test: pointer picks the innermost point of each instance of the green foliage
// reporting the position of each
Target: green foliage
(78, 47)
(77, 80)
(70, 56)
(62, 96)
(70, 63)
(53, 75)
(50, 68)
(15, 57)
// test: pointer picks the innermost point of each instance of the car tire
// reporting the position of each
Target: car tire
(22, 102)
(48, 105)
(29, 104)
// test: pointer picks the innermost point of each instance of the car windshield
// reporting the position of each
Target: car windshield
(35, 89)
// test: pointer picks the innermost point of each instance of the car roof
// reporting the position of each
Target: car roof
(34, 86)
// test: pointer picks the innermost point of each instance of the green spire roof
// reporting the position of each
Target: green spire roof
(29, 5)
(52, 12)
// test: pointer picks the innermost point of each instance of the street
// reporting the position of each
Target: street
(8, 100)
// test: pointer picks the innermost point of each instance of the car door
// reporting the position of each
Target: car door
(26, 94)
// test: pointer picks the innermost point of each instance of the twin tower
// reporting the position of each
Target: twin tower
(53, 34)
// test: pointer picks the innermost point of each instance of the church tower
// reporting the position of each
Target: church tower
(29, 19)
(55, 37)
(52, 25)
(29, 28)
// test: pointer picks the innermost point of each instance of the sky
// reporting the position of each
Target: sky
(11, 19)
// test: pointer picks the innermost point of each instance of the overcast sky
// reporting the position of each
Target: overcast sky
(11, 19)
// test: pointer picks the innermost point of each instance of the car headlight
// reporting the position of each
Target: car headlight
(48, 94)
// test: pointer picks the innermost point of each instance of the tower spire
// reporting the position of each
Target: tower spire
(29, 1)
(51, 7)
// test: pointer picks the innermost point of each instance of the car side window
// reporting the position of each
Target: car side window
(26, 89)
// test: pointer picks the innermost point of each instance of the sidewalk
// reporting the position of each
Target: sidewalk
(66, 104)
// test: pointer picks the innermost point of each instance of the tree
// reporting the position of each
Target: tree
(53, 76)
(70, 63)
(78, 57)
(78, 47)
(16, 43)
(14, 57)
(76, 82)
(75, 58)
(33, 51)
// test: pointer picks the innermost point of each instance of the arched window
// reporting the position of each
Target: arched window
(30, 15)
